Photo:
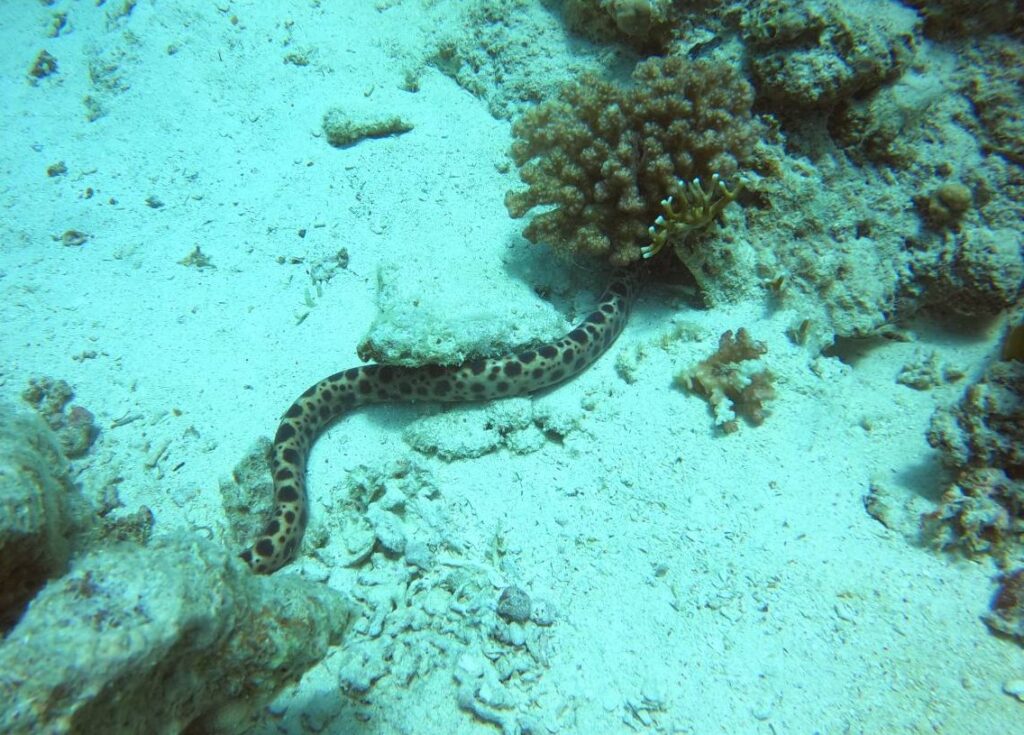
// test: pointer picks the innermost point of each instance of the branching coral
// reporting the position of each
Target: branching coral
(604, 156)
(696, 207)
(732, 381)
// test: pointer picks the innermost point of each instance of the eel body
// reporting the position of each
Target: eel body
(516, 374)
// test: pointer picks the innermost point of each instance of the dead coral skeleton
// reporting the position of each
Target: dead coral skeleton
(732, 380)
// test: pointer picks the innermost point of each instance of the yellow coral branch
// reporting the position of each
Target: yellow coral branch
(695, 208)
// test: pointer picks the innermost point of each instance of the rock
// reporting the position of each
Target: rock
(818, 54)
(514, 604)
(159, 639)
(387, 528)
(1006, 613)
(34, 513)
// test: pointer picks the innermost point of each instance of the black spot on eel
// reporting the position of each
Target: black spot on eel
(517, 374)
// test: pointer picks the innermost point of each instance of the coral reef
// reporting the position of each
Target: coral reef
(604, 156)
(982, 440)
(35, 517)
(976, 272)
(156, 640)
(829, 244)
(733, 381)
(889, 125)
(643, 24)
(816, 54)
(986, 429)
(946, 18)
(858, 115)
(993, 80)
(481, 49)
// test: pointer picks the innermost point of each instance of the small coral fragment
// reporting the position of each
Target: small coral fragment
(925, 371)
(344, 129)
(45, 65)
(73, 238)
(732, 380)
(75, 426)
(197, 259)
(945, 206)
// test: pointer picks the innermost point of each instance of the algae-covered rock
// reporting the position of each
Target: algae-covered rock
(986, 428)
(157, 639)
(816, 54)
(980, 274)
(982, 440)
(34, 515)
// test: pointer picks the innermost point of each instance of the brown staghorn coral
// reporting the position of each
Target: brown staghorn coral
(605, 156)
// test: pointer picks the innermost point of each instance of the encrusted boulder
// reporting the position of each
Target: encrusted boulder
(159, 639)
(34, 509)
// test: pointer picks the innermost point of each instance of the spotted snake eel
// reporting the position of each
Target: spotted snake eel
(516, 374)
